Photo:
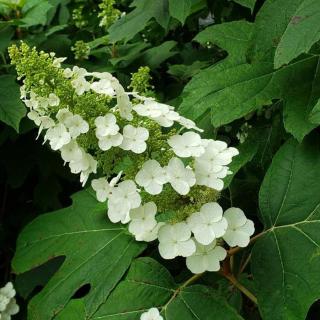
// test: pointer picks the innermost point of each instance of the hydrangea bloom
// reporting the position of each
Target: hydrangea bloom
(239, 228)
(208, 224)
(206, 258)
(8, 305)
(152, 177)
(175, 240)
(151, 314)
(163, 170)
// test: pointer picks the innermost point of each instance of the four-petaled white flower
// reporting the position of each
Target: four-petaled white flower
(180, 177)
(206, 258)
(123, 198)
(81, 85)
(106, 125)
(134, 138)
(103, 86)
(53, 100)
(76, 125)
(208, 224)
(187, 145)
(152, 177)
(209, 178)
(239, 228)
(175, 240)
(63, 114)
(151, 314)
(58, 136)
(150, 108)
(71, 152)
(143, 222)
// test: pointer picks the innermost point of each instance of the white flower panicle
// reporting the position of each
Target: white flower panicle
(8, 305)
(122, 127)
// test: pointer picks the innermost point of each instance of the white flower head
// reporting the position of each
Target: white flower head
(187, 145)
(123, 198)
(239, 228)
(208, 224)
(151, 314)
(58, 136)
(152, 177)
(8, 305)
(206, 258)
(76, 125)
(103, 86)
(180, 177)
(175, 240)
(143, 222)
(134, 139)
(106, 125)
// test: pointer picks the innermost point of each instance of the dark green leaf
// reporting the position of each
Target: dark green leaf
(286, 259)
(180, 9)
(12, 109)
(104, 252)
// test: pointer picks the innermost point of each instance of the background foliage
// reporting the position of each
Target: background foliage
(248, 73)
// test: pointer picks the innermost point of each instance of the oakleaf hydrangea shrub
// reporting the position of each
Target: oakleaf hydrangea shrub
(142, 157)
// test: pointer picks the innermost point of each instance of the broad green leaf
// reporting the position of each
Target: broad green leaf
(286, 259)
(155, 56)
(278, 25)
(135, 21)
(35, 12)
(246, 3)
(315, 113)
(180, 9)
(148, 284)
(96, 251)
(12, 109)
(232, 36)
(302, 31)
(75, 309)
(184, 72)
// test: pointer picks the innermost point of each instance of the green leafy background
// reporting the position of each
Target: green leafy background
(248, 73)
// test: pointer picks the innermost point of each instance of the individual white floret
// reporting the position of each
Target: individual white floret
(53, 100)
(63, 115)
(206, 258)
(81, 85)
(175, 240)
(106, 125)
(58, 136)
(180, 177)
(92, 168)
(124, 104)
(149, 108)
(57, 62)
(167, 118)
(103, 86)
(71, 152)
(123, 198)
(80, 163)
(152, 177)
(76, 125)
(187, 145)
(103, 188)
(205, 176)
(143, 221)
(239, 228)
(151, 314)
(107, 142)
(208, 224)
(134, 139)
(187, 123)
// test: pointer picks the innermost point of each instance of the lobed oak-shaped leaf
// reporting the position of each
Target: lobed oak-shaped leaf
(96, 251)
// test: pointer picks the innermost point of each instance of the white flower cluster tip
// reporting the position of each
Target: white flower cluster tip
(194, 162)
(8, 305)
(151, 314)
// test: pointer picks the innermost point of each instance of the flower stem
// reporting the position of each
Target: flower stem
(243, 289)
